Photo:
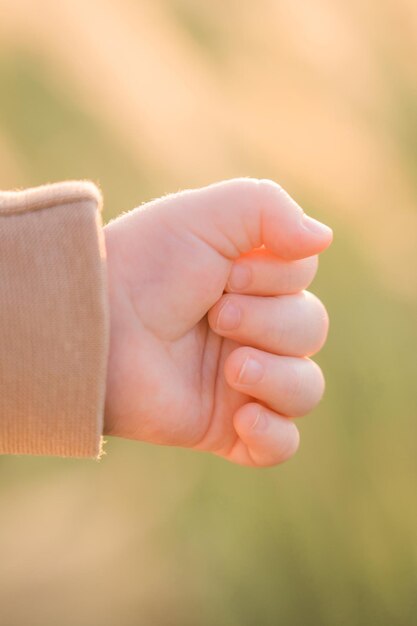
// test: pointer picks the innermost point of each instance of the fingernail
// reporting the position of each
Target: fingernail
(251, 372)
(229, 316)
(316, 227)
(239, 277)
(261, 421)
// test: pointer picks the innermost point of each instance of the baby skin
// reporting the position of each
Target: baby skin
(211, 328)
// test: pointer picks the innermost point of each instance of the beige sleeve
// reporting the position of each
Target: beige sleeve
(53, 321)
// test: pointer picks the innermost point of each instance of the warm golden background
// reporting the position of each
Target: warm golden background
(149, 96)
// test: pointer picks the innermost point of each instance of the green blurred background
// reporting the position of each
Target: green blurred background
(150, 96)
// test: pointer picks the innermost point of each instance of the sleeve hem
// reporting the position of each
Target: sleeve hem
(54, 326)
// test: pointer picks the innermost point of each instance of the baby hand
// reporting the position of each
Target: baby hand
(210, 326)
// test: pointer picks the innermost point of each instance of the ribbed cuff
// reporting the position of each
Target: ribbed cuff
(53, 321)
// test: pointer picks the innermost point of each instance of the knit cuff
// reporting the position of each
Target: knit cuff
(53, 321)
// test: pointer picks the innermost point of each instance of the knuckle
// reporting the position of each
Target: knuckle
(291, 277)
(318, 383)
(323, 326)
(297, 275)
(311, 265)
(305, 387)
(269, 192)
(294, 382)
(266, 185)
(320, 321)
(272, 195)
(288, 445)
(247, 187)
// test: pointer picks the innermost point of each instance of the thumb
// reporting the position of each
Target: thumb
(238, 215)
(180, 248)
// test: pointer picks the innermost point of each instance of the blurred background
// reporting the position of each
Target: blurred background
(150, 96)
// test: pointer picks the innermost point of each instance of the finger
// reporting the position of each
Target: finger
(265, 438)
(294, 325)
(237, 215)
(262, 273)
(291, 386)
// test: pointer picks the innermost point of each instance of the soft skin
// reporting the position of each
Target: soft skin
(210, 324)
